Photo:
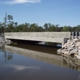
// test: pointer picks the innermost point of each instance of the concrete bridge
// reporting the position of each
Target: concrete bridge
(55, 37)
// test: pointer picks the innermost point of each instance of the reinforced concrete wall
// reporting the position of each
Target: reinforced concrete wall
(57, 37)
(40, 34)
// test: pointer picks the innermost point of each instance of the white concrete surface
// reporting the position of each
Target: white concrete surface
(56, 37)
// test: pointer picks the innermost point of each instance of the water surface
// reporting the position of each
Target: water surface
(34, 62)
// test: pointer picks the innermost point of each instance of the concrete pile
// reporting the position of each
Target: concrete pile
(71, 47)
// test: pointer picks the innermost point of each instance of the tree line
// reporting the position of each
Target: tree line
(11, 26)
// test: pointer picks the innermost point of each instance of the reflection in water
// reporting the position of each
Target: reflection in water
(67, 61)
(1, 45)
(73, 62)
(20, 67)
(30, 64)
(50, 58)
(8, 56)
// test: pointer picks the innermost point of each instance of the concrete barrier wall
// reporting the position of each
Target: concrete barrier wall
(56, 37)
(40, 34)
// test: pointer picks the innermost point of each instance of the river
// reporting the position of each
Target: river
(35, 62)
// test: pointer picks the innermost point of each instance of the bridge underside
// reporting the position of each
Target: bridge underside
(37, 39)
(25, 41)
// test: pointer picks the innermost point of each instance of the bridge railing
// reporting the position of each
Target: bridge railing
(75, 35)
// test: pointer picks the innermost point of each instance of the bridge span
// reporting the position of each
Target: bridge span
(55, 37)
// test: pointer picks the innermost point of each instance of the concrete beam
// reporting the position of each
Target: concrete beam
(55, 37)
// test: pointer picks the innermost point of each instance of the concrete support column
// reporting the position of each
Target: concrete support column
(76, 36)
(72, 35)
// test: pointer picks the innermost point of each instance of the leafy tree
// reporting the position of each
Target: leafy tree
(51, 27)
(34, 27)
(27, 27)
(10, 18)
(56, 27)
(65, 28)
(78, 28)
(16, 24)
(46, 26)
